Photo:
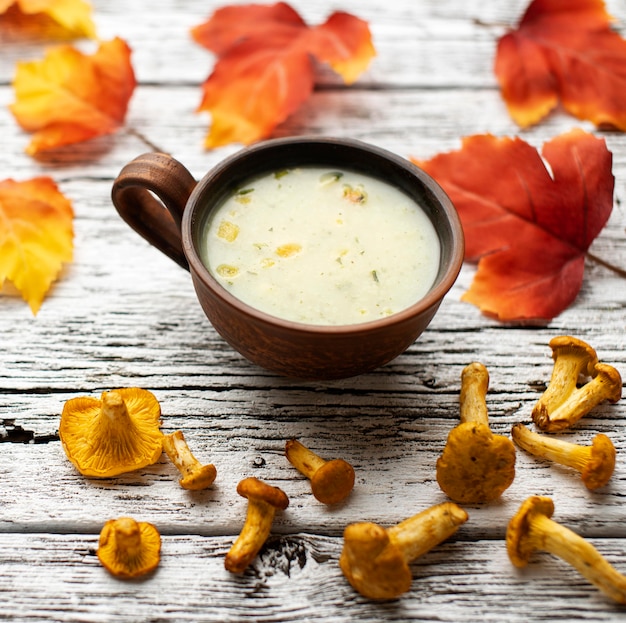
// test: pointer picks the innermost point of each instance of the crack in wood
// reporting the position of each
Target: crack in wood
(282, 554)
(10, 432)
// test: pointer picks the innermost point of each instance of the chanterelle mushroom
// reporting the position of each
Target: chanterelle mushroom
(116, 434)
(376, 560)
(573, 359)
(595, 462)
(564, 402)
(533, 529)
(263, 501)
(128, 548)
(475, 465)
(331, 481)
(195, 476)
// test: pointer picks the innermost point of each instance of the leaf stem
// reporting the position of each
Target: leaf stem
(145, 140)
(618, 271)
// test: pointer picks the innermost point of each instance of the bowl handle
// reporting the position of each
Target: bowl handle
(159, 223)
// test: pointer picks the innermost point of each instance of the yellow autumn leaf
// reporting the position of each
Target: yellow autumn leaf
(36, 236)
(74, 16)
(70, 97)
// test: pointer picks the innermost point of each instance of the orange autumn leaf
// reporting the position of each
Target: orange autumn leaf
(564, 50)
(72, 16)
(528, 228)
(36, 236)
(70, 97)
(264, 70)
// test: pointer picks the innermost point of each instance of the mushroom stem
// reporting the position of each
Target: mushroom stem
(595, 462)
(263, 501)
(605, 385)
(195, 475)
(474, 386)
(303, 459)
(533, 529)
(331, 481)
(419, 534)
(114, 408)
(127, 536)
(582, 555)
(254, 533)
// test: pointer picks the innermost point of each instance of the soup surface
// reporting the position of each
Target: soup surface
(321, 246)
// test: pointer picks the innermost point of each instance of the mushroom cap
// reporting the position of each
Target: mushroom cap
(611, 379)
(128, 548)
(255, 489)
(601, 465)
(372, 564)
(518, 547)
(333, 482)
(475, 465)
(202, 478)
(115, 434)
(567, 344)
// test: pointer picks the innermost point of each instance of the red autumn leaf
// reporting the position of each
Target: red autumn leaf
(528, 228)
(70, 97)
(36, 236)
(564, 50)
(264, 70)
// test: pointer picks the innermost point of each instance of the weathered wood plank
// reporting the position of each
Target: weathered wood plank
(428, 44)
(394, 457)
(59, 578)
(408, 122)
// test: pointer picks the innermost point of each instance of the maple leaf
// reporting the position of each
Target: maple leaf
(36, 236)
(528, 228)
(564, 50)
(72, 16)
(264, 70)
(70, 97)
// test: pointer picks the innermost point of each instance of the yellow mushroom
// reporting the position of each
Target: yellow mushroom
(475, 465)
(116, 434)
(376, 560)
(128, 548)
(573, 360)
(263, 501)
(595, 462)
(533, 529)
(195, 475)
(564, 402)
(331, 481)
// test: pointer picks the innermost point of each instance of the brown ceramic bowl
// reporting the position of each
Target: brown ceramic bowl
(306, 351)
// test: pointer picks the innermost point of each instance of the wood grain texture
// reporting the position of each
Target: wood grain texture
(122, 314)
(294, 578)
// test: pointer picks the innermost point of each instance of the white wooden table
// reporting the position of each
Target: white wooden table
(124, 315)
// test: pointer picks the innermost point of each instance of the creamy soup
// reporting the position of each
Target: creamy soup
(321, 246)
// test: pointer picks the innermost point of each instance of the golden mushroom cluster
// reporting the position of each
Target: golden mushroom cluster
(120, 432)
(477, 466)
